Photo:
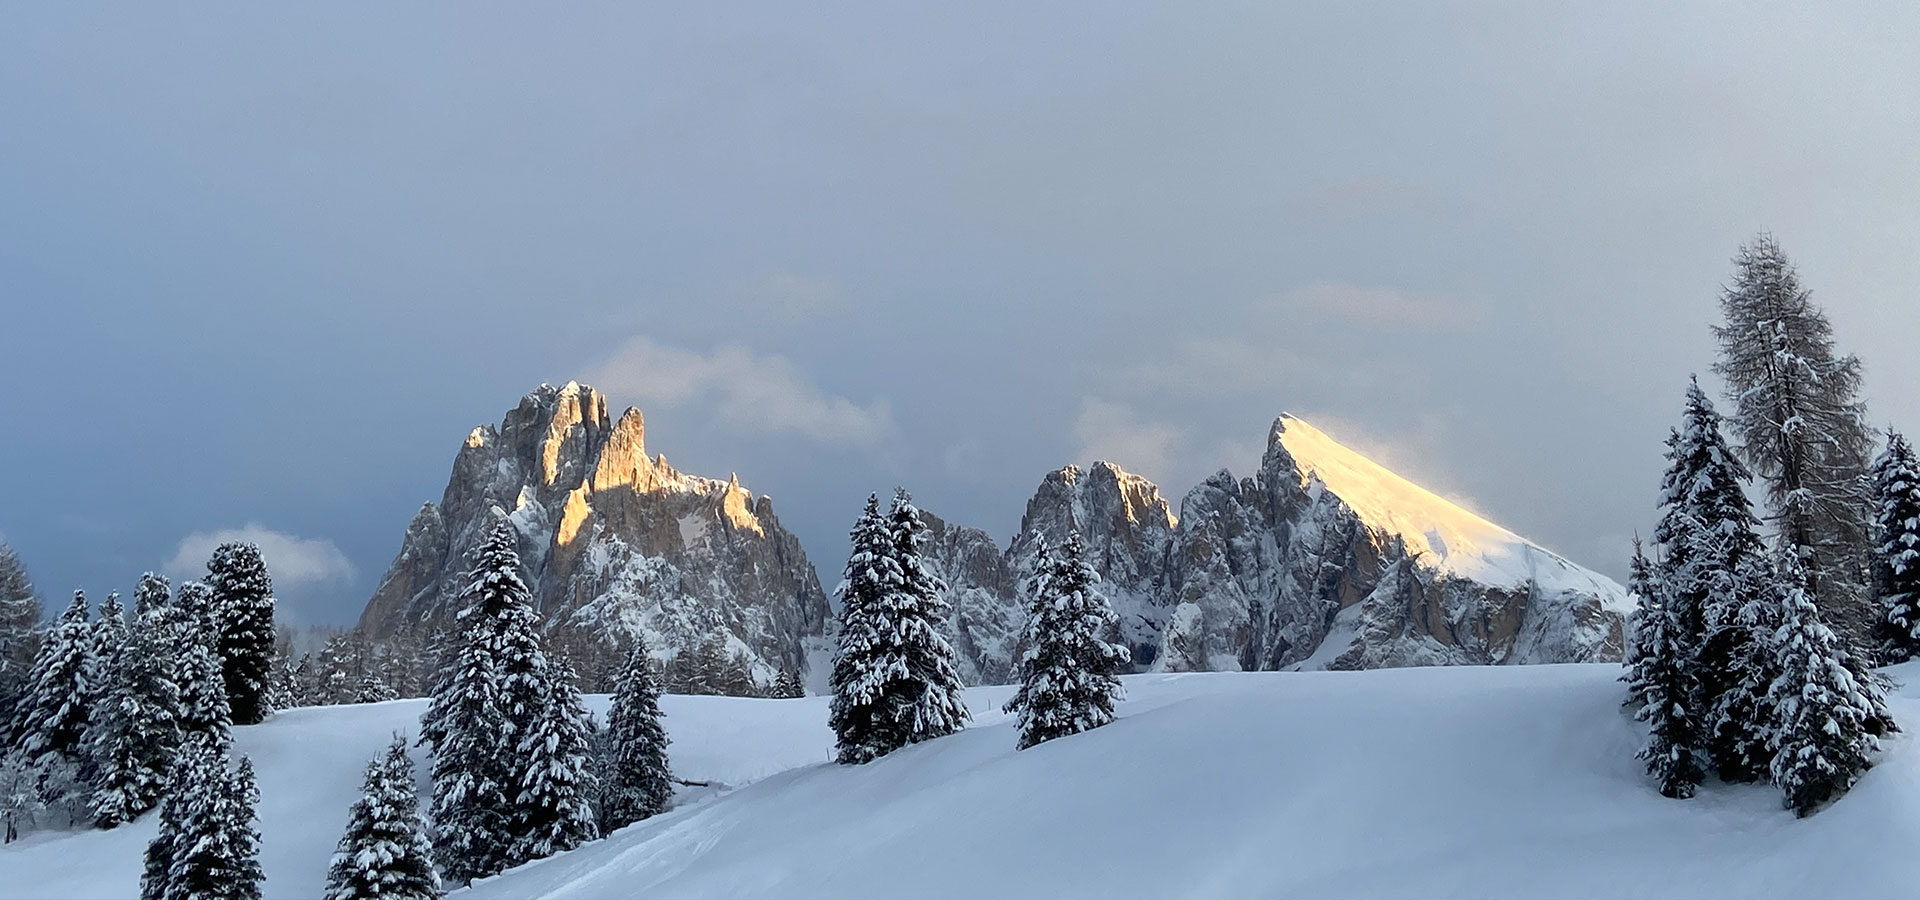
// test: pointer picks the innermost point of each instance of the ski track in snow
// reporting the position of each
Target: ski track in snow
(1462, 781)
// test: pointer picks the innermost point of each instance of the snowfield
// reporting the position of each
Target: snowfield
(1461, 782)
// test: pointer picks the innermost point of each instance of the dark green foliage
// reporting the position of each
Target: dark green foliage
(241, 608)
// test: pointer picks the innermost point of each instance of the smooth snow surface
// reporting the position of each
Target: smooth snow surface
(1455, 540)
(1490, 782)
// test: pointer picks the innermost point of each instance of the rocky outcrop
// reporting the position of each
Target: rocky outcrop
(1323, 559)
(615, 543)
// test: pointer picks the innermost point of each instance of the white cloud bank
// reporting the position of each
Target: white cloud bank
(293, 561)
(747, 392)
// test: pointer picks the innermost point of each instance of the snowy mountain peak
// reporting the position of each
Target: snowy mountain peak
(1439, 531)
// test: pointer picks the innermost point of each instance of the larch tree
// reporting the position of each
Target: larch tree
(19, 631)
(1800, 425)
(1896, 493)
(241, 608)
(1069, 672)
(384, 853)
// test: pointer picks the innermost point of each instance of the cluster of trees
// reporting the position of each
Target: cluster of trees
(1754, 661)
(894, 681)
(99, 724)
(492, 810)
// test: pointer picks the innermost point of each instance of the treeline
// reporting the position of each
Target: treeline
(125, 710)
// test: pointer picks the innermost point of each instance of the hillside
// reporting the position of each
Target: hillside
(1467, 781)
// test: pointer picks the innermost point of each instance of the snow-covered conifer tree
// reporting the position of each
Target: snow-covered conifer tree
(1069, 672)
(1896, 493)
(1820, 741)
(894, 681)
(52, 718)
(134, 730)
(384, 853)
(204, 716)
(864, 720)
(1714, 586)
(1661, 681)
(939, 708)
(490, 697)
(639, 782)
(787, 686)
(1800, 424)
(242, 612)
(207, 846)
(553, 812)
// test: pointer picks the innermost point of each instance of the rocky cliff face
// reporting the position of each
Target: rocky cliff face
(1323, 559)
(615, 544)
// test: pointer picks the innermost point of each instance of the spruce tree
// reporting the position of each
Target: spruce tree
(1069, 671)
(207, 847)
(788, 687)
(471, 803)
(1662, 683)
(51, 720)
(384, 853)
(1821, 740)
(1800, 424)
(242, 610)
(639, 781)
(918, 612)
(135, 727)
(1643, 585)
(1896, 492)
(553, 812)
(204, 715)
(1714, 586)
(490, 697)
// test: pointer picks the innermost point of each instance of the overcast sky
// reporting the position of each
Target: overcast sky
(263, 266)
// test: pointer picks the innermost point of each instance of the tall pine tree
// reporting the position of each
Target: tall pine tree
(1069, 672)
(492, 695)
(384, 853)
(639, 781)
(1896, 493)
(241, 607)
(1801, 426)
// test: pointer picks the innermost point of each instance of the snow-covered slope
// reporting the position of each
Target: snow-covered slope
(1486, 782)
(1302, 785)
(1459, 542)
